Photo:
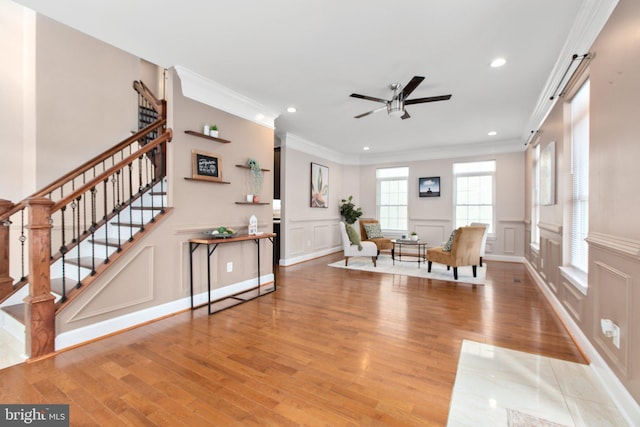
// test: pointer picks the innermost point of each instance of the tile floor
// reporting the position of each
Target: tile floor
(492, 379)
(9, 350)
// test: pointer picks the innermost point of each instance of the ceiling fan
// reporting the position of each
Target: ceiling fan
(395, 106)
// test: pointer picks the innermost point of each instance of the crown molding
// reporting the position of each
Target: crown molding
(214, 94)
(290, 140)
(590, 20)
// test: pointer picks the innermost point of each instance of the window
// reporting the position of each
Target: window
(535, 197)
(579, 179)
(474, 191)
(391, 200)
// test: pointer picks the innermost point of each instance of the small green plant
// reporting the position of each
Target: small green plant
(256, 176)
(349, 211)
(214, 127)
(413, 233)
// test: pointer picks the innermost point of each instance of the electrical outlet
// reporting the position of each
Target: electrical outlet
(229, 267)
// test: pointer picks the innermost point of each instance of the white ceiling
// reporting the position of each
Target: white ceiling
(312, 54)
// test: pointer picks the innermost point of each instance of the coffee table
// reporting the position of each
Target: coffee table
(415, 251)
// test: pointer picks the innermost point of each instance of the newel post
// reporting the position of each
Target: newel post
(6, 282)
(39, 305)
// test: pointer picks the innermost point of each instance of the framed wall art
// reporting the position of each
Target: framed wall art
(319, 186)
(207, 166)
(429, 187)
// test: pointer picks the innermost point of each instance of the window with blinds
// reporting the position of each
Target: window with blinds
(392, 197)
(580, 178)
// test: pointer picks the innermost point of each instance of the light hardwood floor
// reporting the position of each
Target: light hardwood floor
(331, 347)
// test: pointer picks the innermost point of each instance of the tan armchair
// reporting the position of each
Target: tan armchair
(382, 243)
(465, 250)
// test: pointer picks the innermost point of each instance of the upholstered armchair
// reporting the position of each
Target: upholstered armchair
(484, 238)
(381, 242)
(465, 251)
(354, 247)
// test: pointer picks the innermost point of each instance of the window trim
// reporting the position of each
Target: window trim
(379, 180)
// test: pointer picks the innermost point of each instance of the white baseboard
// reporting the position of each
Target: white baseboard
(608, 379)
(503, 258)
(306, 257)
(101, 329)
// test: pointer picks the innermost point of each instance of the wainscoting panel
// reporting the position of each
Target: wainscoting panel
(321, 237)
(613, 301)
(552, 263)
(434, 235)
(573, 301)
(509, 240)
(296, 240)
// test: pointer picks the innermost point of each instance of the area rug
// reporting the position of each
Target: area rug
(407, 268)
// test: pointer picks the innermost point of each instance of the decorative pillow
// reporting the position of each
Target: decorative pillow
(373, 230)
(354, 238)
(447, 246)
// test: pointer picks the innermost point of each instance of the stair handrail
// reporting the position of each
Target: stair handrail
(83, 168)
(159, 105)
(165, 137)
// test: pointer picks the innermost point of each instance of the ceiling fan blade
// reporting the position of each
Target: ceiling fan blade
(370, 98)
(370, 112)
(429, 99)
(405, 115)
(412, 85)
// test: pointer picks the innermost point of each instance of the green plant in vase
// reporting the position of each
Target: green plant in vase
(256, 178)
(349, 211)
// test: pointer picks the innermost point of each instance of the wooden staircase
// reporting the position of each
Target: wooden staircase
(75, 228)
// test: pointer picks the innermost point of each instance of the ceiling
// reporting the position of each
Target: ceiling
(313, 54)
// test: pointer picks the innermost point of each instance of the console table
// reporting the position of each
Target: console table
(212, 244)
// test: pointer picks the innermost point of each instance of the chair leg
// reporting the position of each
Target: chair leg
(429, 266)
(480, 261)
(455, 273)
(374, 259)
(475, 270)
(346, 261)
(448, 267)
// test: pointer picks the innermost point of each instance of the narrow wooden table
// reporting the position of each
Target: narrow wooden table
(212, 244)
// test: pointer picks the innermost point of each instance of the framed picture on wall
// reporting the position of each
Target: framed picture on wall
(548, 174)
(207, 166)
(319, 186)
(429, 187)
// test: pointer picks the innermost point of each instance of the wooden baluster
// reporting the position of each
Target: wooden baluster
(39, 305)
(6, 281)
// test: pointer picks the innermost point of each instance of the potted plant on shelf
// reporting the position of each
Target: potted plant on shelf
(349, 211)
(414, 236)
(213, 131)
(256, 179)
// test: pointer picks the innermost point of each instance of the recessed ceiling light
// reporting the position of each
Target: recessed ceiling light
(492, 133)
(291, 110)
(365, 148)
(498, 62)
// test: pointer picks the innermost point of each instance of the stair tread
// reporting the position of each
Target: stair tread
(146, 208)
(86, 262)
(128, 224)
(56, 284)
(112, 243)
(16, 311)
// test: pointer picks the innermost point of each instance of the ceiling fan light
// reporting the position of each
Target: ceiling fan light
(395, 107)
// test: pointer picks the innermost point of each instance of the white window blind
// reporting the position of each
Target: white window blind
(580, 178)
(392, 196)
(474, 188)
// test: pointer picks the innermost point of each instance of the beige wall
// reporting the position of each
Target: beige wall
(614, 236)
(159, 265)
(85, 102)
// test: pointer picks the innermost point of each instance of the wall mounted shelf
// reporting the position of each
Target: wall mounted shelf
(247, 167)
(202, 135)
(207, 180)
(252, 203)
